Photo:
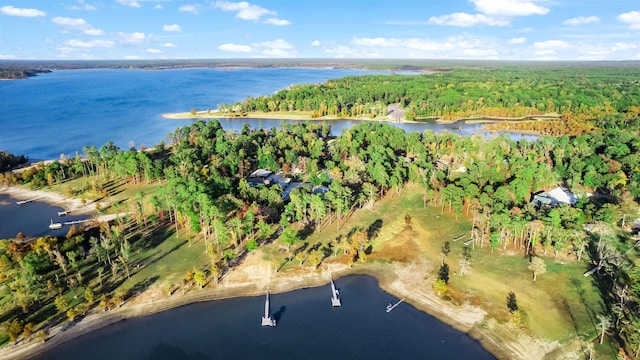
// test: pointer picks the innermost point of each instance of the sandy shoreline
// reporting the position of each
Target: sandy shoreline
(251, 278)
(73, 205)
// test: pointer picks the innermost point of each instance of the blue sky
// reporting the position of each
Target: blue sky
(412, 29)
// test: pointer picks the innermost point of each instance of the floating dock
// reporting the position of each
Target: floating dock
(390, 307)
(267, 320)
(64, 213)
(22, 202)
(75, 222)
(335, 299)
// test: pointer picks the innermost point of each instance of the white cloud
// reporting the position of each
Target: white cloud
(89, 44)
(158, 7)
(82, 6)
(243, 9)
(169, 45)
(22, 12)
(277, 22)
(174, 27)
(516, 41)
(132, 38)
(551, 44)
(281, 53)
(491, 13)
(510, 7)
(130, 3)
(192, 8)
(631, 18)
(580, 20)
(235, 48)
(623, 46)
(153, 51)
(277, 44)
(466, 20)
(276, 48)
(450, 47)
(315, 43)
(77, 24)
(7, 56)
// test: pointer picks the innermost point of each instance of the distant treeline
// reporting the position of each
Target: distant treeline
(579, 94)
(8, 161)
(14, 74)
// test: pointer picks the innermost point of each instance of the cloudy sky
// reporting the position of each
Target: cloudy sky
(422, 29)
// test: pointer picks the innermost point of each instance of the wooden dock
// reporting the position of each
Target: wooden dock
(335, 300)
(64, 213)
(267, 320)
(22, 202)
(390, 307)
(76, 222)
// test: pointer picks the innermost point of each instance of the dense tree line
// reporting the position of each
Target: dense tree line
(205, 195)
(20, 73)
(579, 95)
(9, 161)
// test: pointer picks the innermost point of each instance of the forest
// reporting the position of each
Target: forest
(197, 188)
(560, 101)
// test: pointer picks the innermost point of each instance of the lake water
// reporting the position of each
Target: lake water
(63, 111)
(307, 328)
(60, 112)
(32, 219)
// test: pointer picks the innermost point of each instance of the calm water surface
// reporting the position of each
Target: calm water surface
(308, 328)
(61, 112)
(32, 219)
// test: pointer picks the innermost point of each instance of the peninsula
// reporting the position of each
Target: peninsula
(506, 240)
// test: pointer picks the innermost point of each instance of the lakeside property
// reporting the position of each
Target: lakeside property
(401, 277)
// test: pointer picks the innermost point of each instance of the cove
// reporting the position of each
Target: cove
(63, 111)
(32, 219)
(307, 328)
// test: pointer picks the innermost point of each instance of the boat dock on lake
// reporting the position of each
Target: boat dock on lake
(335, 300)
(267, 320)
(390, 307)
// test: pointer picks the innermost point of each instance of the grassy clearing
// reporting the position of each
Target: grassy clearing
(166, 263)
(560, 306)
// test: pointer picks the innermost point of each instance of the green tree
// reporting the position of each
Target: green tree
(512, 303)
(200, 278)
(61, 302)
(15, 329)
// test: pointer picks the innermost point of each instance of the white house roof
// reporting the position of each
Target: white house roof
(562, 196)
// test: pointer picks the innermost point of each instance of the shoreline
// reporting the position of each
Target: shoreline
(73, 205)
(253, 278)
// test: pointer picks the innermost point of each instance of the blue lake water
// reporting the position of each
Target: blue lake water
(61, 112)
(307, 328)
(31, 219)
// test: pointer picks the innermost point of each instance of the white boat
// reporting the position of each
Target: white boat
(55, 226)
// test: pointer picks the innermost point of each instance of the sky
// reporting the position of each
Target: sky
(331, 29)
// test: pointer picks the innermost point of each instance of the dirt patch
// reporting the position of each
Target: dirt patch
(402, 248)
